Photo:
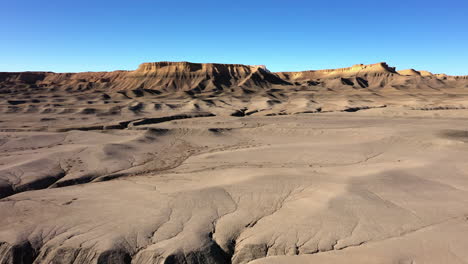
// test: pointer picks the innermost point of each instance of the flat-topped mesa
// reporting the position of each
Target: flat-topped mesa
(440, 76)
(380, 68)
(187, 67)
(163, 76)
(188, 76)
(195, 78)
(150, 67)
(426, 73)
(413, 72)
(410, 72)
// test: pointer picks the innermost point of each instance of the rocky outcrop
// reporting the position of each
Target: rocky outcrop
(197, 78)
(409, 72)
(162, 76)
(357, 70)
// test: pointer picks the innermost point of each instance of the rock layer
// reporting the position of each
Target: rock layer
(195, 78)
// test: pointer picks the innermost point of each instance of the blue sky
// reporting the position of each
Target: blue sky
(84, 35)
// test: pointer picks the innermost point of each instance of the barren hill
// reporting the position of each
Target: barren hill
(356, 70)
(196, 78)
(226, 89)
(158, 76)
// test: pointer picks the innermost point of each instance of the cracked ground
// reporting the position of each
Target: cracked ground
(309, 188)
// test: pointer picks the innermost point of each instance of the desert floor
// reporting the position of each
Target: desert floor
(382, 185)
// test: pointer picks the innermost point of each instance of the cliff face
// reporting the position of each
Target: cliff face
(197, 77)
(170, 77)
(357, 70)
(374, 76)
(162, 76)
(412, 72)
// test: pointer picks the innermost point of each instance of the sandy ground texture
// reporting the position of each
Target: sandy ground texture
(303, 168)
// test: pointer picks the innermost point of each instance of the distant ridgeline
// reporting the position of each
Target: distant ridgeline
(196, 78)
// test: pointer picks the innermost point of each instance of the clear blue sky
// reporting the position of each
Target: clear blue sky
(84, 35)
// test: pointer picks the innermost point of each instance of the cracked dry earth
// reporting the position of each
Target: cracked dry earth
(311, 188)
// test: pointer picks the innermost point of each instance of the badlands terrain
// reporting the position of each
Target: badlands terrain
(186, 163)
